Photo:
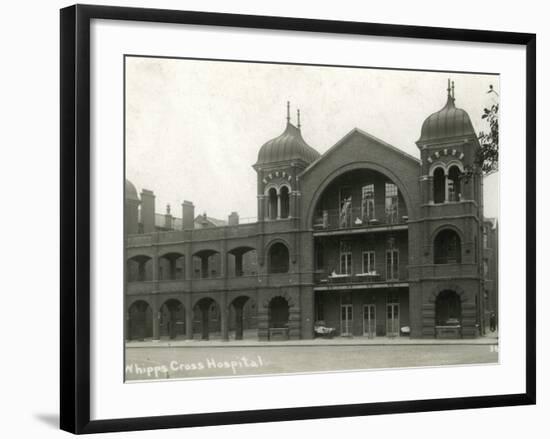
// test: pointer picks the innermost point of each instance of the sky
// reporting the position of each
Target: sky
(194, 127)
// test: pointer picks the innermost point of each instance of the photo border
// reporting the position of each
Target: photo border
(75, 217)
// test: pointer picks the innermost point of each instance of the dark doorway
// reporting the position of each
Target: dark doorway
(172, 318)
(278, 313)
(207, 313)
(238, 318)
(448, 309)
(140, 321)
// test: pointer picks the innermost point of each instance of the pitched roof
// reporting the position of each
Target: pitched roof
(354, 131)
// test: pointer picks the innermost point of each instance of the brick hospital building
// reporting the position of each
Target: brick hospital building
(365, 239)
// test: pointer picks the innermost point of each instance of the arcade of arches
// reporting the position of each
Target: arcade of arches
(207, 320)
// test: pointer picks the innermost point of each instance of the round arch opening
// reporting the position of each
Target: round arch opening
(140, 321)
(206, 318)
(242, 318)
(278, 258)
(359, 198)
(172, 319)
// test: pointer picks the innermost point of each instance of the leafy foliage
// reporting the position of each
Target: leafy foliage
(488, 153)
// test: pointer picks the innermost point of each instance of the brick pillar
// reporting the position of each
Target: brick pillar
(188, 318)
(224, 316)
(188, 263)
(155, 268)
(239, 322)
(127, 327)
(428, 320)
(263, 323)
(238, 264)
(156, 324)
(204, 267)
(204, 322)
(430, 190)
(294, 323)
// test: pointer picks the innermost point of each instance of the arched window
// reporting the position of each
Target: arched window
(453, 184)
(272, 203)
(447, 249)
(285, 202)
(439, 185)
(278, 258)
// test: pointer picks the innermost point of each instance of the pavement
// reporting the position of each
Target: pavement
(489, 339)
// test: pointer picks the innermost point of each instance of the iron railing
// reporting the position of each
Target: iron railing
(326, 278)
(355, 217)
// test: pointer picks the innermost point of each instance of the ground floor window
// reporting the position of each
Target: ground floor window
(346, 319)
(392, 319)
(369, 320)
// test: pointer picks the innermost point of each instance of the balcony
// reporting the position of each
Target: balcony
(444, 271)
(334, 281)
(336, 221)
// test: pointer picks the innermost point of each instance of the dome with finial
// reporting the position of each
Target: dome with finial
(290, 145)
(447, 123)
(130, 191)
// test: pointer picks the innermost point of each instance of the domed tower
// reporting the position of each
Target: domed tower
(280, 161)
(448, 148)
(131, 209)
(446, 283)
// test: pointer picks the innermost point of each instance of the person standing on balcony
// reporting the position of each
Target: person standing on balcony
(345, 213)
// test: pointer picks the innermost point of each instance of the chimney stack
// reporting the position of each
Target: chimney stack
(187, 215)
(233, 219)
(168, 218)
(148, 210)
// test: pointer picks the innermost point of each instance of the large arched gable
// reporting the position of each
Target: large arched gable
(328, 179)
(359, 150)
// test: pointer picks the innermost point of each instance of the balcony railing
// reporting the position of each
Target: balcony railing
(326, 278)
(355, 217)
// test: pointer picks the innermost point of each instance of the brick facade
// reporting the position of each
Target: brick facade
(411, 264)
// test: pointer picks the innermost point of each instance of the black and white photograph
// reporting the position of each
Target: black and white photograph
(295, 219)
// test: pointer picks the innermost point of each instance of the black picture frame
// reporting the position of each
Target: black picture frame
(75, 217)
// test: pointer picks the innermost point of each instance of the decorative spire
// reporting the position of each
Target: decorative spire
(287, 111)
(299, 124)
(450, 93)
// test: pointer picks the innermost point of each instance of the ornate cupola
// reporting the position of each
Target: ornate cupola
(289, 146)
(448, 148)
(280, 160)
(446, 124)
